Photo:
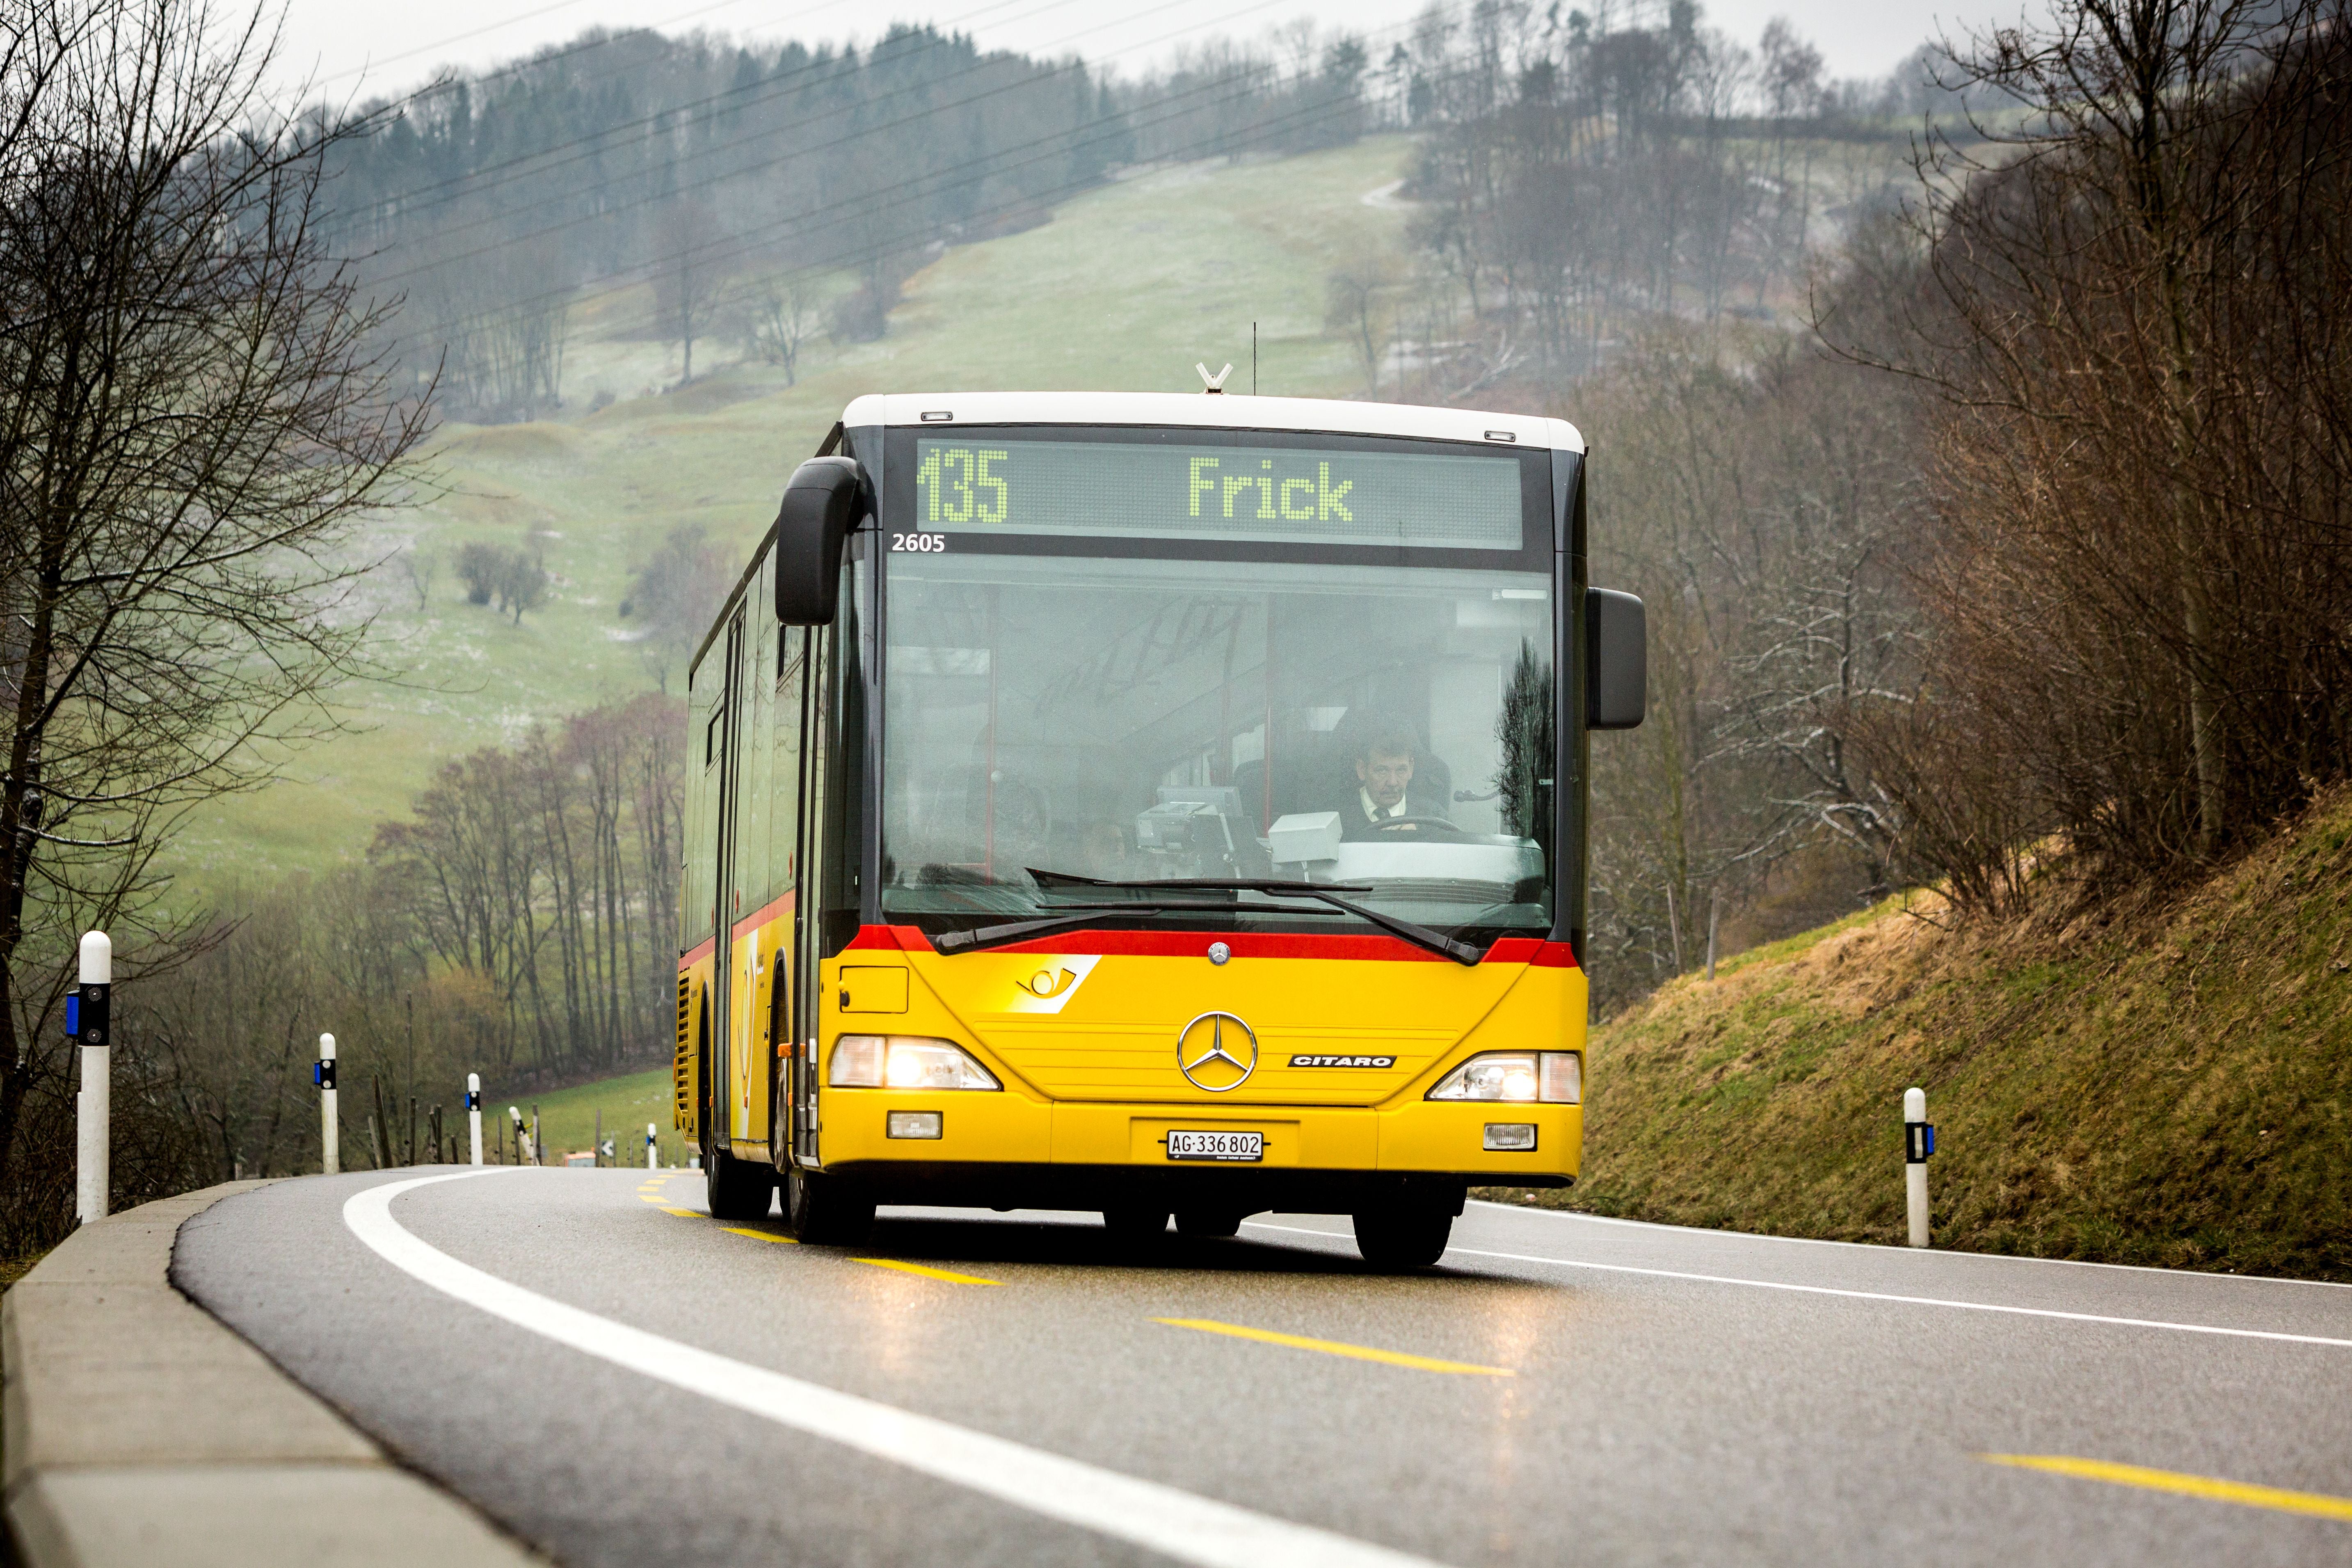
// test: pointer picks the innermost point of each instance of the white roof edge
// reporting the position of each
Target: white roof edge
(1220, 413)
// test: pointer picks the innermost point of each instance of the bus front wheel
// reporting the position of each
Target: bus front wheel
(824, 1211)
(1402, 1239)
(738, 1189)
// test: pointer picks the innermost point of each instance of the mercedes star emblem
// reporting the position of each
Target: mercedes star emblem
(1202, 1049)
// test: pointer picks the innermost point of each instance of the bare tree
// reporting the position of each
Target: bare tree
(784, 314)
(686, 275)
(2135, 306)
(1354, 304)
(418, 569)
(191, 423)
(548, 872)
(676, 592)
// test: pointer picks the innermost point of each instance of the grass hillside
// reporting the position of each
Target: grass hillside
(1122, 290)
(2171, 1087)
(567, 1117)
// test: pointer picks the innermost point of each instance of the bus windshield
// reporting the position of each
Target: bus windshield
(1075, 683)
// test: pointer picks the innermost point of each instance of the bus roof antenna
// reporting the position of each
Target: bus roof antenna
(1212, 383)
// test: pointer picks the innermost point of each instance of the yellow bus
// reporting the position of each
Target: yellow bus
(1150, 804)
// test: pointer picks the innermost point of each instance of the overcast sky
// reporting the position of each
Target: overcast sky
(351, 49)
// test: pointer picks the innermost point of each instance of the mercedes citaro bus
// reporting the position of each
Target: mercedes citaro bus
(1150, 804)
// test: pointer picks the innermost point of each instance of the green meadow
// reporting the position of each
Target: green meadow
(568, 1118)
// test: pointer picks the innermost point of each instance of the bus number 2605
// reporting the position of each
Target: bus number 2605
(926, 543)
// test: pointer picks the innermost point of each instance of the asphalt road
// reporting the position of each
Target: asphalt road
(622, 1381)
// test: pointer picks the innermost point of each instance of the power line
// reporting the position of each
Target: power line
(488, 28)
(1059, 138)
(733, 247)
(514, 66)
(530, 163)
(584, 151)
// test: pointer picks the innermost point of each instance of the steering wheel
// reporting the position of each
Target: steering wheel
(1425, 829)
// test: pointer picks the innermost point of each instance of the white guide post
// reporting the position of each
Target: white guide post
(523, 1139)
(88, 1021)
(652, 1149)
(474, 1112)
(1918, 1143)
(330, 1156)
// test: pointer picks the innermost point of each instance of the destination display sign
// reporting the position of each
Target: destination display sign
(1155, 490)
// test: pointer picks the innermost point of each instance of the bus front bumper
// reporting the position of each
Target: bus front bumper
(1001, 1150)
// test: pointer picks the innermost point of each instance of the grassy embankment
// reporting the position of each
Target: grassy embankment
(2170, 1086)
(1124, 289)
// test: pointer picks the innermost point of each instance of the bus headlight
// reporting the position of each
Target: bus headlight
(905, 1061)
(1554, 1076)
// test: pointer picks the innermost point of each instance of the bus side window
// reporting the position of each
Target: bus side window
(809, 860)
(833, 866)
(783, 805)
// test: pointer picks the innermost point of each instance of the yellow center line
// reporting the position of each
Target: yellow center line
(947, 1275)
(2317, 1504)
(761, 1235)
(687, 1214)
(651, 1198)
(1335, 1347)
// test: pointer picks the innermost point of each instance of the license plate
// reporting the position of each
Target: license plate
(1244, 1146)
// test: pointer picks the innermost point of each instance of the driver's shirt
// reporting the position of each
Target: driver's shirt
(1377, 812)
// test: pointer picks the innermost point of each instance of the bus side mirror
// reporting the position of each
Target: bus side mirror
(822, 501)
(1616, 660)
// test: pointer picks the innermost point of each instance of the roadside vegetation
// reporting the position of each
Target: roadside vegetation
(2164, 1080)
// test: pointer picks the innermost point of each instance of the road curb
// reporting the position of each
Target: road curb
(141, 1430)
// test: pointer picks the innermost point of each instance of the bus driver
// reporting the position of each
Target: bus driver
(1383, 774)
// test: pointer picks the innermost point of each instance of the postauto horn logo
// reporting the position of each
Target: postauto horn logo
(1216, 1052)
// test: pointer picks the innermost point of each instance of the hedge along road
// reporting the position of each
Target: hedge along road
(619, 1379)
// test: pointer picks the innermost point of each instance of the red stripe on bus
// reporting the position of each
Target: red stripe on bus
(763, 914)
(1532, 951)
(894, 938)
(710, 944)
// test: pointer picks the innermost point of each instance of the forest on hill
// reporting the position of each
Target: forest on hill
(771, 194)
(767, 192)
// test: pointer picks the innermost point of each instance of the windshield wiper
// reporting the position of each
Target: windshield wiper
(1420, 936)
(1196, 884)
(1017, 931)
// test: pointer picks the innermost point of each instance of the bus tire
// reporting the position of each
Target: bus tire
(1207, 1222)
(1135, 1226)
(1402, 1239)
(825, 1211)
(737, 1189)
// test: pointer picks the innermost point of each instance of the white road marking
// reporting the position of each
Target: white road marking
(1580, 1217)
(1857, 1295)
(1176, 1524)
